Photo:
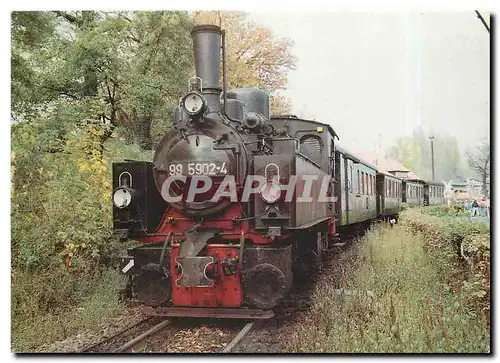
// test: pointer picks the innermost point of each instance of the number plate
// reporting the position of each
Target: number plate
(210, 168)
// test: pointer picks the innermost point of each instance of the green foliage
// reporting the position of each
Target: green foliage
(469, 244)
(444, 211)
(402, 293)
(51, 305)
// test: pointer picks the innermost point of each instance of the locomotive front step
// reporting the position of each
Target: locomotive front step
(219, 313)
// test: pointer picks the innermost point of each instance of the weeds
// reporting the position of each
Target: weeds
(41, 315)
(409, 297)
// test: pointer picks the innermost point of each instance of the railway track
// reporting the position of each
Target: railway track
(113, 342)
(137, 337)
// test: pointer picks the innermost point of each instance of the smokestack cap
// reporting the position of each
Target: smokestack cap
(206, 28)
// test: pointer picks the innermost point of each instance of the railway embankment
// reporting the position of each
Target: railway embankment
(420, 286)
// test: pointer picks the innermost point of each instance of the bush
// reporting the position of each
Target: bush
(406, 292)
(443, 211)
(55, 304)
(469, 242)
(62, 243)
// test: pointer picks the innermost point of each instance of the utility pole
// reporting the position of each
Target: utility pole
(432, 155)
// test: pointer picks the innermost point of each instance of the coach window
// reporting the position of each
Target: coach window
(310, 146)
(349, 180)
(359, 184)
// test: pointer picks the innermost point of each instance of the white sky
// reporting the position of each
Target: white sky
(363, 73)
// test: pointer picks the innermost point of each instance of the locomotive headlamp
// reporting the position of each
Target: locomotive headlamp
(194, 103)
(270, 192)
(122, 197)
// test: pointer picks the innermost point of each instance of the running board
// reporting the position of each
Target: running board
(178, 312)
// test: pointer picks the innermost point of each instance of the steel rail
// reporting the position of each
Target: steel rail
(141, 337)
(108, 339)
(238, 338)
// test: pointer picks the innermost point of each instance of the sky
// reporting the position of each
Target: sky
(376, 76)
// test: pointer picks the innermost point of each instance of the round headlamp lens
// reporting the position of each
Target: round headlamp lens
(122, 198)
(193, 103)
(270, 192)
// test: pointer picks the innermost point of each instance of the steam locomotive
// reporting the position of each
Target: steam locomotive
(236, 202)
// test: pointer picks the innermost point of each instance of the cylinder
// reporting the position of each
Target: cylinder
(207, 47)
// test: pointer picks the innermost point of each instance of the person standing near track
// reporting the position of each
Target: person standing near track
(475, 206)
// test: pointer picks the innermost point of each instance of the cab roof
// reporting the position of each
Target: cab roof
(293, 117)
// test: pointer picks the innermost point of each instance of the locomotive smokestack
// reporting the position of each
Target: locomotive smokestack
(207, 47)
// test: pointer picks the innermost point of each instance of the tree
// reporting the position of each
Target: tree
(135, 65)
(255, 57)
(31, 32)
(479, 162)
(414, 152)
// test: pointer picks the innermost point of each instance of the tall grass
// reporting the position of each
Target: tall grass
(41, 316)
(398, 297)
